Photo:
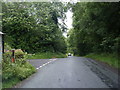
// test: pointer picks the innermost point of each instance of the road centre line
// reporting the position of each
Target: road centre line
(46, 63)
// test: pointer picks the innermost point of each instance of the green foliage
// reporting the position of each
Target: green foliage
(19, 53)
(12, 73)
(7, 71)
(34, 26)
(110, 59)
(95, 28)
(46, 55)
(17, 71)
(7, 56)
(24, 71)
(9, 83)
(7, 47)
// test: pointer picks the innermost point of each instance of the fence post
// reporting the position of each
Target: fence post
(13, 55)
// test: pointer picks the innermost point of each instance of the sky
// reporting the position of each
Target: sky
(68, 21)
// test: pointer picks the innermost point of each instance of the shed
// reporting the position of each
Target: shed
(1, 45)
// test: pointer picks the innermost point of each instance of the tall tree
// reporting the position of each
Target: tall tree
(96, 26)
(34, 26)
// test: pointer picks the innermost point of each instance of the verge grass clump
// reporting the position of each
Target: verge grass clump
(45, 55)
(110, 59)
(12, 73)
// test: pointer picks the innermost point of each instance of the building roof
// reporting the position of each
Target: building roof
(1, 32)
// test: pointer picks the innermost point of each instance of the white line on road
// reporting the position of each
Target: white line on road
(46, 63)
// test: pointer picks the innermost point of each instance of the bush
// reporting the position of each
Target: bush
(21, 69)
(7, 71)
(8, 53)
(12, 73)
(24, 71)
(19, 53)
(7, 47)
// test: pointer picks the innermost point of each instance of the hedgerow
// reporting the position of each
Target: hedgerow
(20, 69)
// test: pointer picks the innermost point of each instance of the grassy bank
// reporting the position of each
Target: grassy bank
(110, 59)
(46, 55)
(12, 73)
(11, 82)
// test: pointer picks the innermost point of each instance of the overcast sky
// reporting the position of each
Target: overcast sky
(68, 21)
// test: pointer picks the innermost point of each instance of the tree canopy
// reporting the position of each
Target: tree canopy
(95, 28)
(34, 27)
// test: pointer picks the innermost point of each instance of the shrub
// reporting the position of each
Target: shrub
(8, 54)
(7, 47)
(15, 70)
(22, 72)
(7, 72)
(21, 69)
(19, 53)
(12, 73)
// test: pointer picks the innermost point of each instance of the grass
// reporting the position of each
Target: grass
(13, 73)
(11, 82)
(110, 59)
(46, 55)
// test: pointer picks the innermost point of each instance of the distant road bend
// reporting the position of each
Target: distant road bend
(71, 72)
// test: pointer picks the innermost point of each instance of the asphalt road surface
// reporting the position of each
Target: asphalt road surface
(71, 72)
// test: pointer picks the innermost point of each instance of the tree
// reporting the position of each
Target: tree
(33, 27)
(96, 28)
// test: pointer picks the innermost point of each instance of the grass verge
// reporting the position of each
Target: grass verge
(9, 83)
(12, 73)
(46, 55)
(110, 59)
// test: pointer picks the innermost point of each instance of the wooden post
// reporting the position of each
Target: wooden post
(13, 55)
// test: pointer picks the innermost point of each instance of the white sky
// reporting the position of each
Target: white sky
(68, 21)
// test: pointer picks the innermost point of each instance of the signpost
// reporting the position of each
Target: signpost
(1, 46)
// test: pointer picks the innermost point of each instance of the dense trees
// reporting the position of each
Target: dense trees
(34, 27)
(96, 28)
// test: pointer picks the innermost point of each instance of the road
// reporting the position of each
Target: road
(71, 72)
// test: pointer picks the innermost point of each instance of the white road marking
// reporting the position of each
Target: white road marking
(40, 66)
(51, 60)
(37, 68)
